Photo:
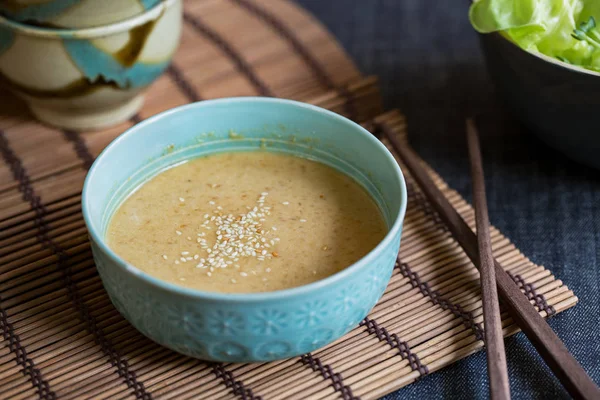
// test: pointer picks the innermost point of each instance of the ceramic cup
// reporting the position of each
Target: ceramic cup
(255, 326)
(73, 14)
(88, 78)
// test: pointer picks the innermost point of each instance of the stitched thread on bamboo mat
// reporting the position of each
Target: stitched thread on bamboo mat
(528, 288)
(422, 203)
(29, 195)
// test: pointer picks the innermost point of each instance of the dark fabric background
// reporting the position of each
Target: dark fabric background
(430, 66)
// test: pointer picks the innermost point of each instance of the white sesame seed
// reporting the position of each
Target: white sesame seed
(182, 279)
(268, 270)
(243, 274)
(212, 203)
(178, 232)
(302, 220)
(188, 238)
(164, 256)
(285, 203)
(176, 261)
(181, 199)
(240, 236)
(233, 280)
(208, 273)
(185, 253)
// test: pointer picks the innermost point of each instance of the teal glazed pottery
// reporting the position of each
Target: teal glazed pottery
(73, 13)
(256, 326)
(88, 78)
(559, 102)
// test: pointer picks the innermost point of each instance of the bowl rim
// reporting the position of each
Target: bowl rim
(544, 57)
(246, 297)
(91, 32)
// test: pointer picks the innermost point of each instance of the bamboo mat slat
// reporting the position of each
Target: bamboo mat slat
(61, 336)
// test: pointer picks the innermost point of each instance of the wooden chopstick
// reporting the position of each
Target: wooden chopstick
(494, 340)
(550, 347)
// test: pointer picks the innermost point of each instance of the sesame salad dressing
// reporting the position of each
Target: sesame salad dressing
(246, 222)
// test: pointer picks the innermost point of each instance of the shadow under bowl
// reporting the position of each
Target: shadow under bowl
(557, 101)
(256, 326)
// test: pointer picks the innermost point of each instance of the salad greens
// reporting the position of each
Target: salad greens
(564, 29)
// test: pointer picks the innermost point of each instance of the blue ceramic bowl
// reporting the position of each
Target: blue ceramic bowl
(256, 326)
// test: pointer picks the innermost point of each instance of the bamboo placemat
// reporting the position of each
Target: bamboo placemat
(62, 338)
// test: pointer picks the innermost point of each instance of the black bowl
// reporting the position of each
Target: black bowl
(558, 101)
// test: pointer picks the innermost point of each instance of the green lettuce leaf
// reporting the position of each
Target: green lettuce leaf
(564, 29)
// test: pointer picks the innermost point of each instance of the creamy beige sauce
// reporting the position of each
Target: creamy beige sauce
(246, 222)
